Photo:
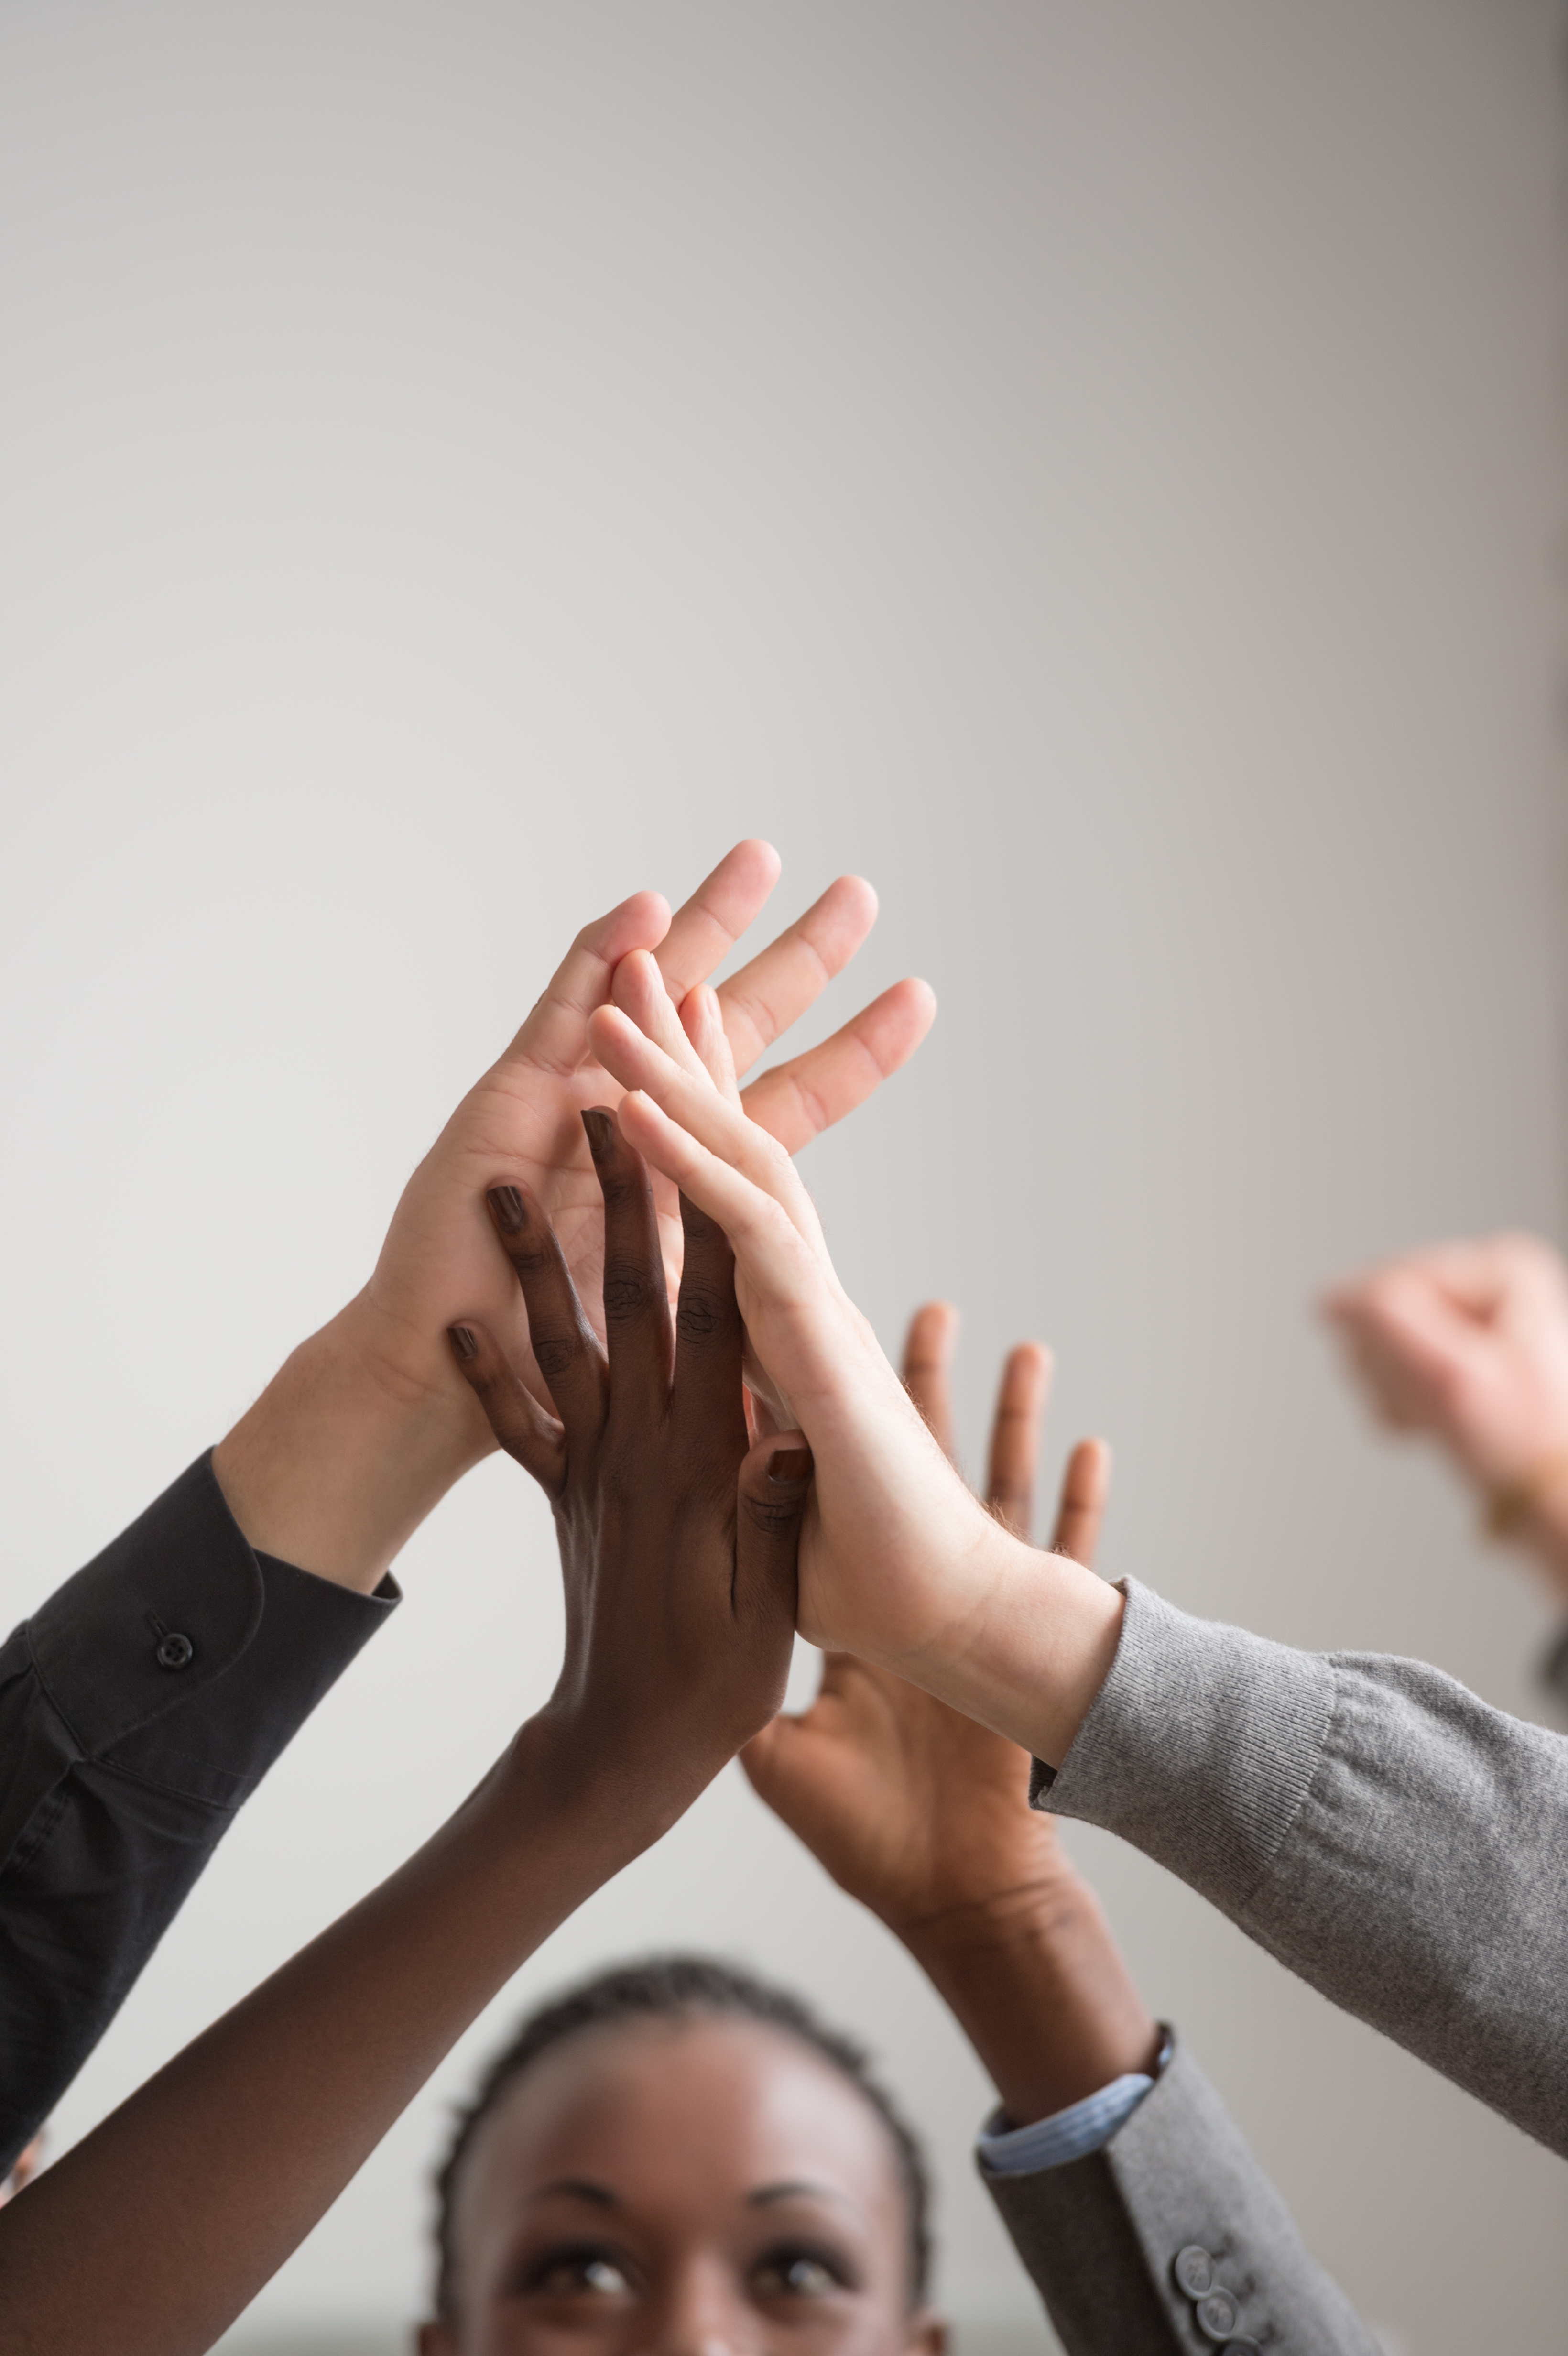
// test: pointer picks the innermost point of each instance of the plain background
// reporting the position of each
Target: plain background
(1094, 467)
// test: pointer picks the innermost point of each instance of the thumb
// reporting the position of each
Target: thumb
(774, 1485)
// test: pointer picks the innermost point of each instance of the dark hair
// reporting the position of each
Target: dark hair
(675, 1988)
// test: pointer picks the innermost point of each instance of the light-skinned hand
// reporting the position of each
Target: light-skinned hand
(899, 1563)
(368, 1424)
(1468, 1343)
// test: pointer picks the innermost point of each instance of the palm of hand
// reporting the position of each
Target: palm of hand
(910, 1806)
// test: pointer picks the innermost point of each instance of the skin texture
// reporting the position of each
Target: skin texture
(923, 1816)
(630, 2195)
(1467, 1344)
(899, 1564)
(678, 1563)
(367, 1425)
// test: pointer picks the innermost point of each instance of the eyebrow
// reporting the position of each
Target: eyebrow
(577, 2188)
(793, 2190)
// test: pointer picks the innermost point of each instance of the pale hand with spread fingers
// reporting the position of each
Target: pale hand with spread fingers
(368, 1424)
(899, 1563)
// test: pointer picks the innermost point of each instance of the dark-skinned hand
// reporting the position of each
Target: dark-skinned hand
(678, 1535)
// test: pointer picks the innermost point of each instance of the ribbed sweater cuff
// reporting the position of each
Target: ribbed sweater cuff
(1198, 1747)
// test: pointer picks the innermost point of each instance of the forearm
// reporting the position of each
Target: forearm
(235, 2149)
(1378, 1829)
(1039, 1989)
(344, 1455)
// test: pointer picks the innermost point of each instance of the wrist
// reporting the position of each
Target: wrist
(342, 1456)
(1031, 1648)
(1038, 1985)
(613, 1805)
(1531, 1510)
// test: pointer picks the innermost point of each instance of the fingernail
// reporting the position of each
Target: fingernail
(462, 1340)
(600, 1130)
(509, 1208)
(789, 1464)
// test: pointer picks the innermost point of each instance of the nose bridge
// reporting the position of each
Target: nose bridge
(701, 2310)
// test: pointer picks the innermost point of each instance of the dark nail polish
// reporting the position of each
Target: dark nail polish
(789, 1464)
(600, 1128)
(462, 1341)
(510, 1209)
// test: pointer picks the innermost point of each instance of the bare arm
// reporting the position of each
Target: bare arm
(679, 1613)
(366, 1426)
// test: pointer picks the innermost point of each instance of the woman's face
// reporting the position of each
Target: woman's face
(708, 2187)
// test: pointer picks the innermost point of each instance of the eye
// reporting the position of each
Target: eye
(792, 2272)
(577, 2272)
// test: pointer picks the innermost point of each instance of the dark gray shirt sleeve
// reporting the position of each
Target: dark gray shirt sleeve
(1379, 1829)
(1171, 2238)
(138, 1707)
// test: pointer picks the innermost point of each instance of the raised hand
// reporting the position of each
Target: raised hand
(923, 1816)
(678, 1537)
(899, 1564)
(1468, 1341)
(520, 1123)
(677, 1549)
(913, 1808)
(367, 1425)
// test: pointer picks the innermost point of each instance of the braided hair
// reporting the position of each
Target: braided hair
(680, 1988)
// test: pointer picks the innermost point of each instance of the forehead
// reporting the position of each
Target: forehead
(681, 2119)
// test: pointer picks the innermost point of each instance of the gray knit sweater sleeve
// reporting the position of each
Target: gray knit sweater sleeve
(1373, 1824)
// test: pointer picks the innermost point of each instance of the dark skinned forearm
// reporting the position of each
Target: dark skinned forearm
(241, 2143)
(1039, 1989)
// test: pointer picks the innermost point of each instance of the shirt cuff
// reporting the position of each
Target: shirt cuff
(1073, 2133)
(181, 1656)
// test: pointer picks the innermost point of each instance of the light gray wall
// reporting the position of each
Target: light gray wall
(1095, 468)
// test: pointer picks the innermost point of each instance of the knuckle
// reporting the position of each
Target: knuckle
(555, 1352)
(629, 1292)
(773, 1517)
(529, 1260)
(702, 1313)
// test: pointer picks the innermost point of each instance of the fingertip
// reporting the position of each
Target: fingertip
(610, 1025)
(760, 859)
(920, 998)
(855, 902)
(639, 922)
(636, 972)
(939, 1317)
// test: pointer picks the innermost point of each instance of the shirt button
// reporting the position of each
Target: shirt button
(176, 1652)
(1194, 2270)
(1218, 2315)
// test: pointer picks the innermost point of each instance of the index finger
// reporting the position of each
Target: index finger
(1015, 1436)
(554, 1038)
(1085, 1492)
(928, 1360)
